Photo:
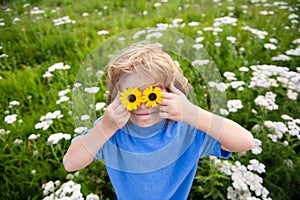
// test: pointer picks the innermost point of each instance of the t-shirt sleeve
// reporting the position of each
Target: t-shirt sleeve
(210, 146)
(218, 152)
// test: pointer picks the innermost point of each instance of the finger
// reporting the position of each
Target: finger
(174, 90)
(167, 95)
(163, 115)
(163, 108)
(167, 102)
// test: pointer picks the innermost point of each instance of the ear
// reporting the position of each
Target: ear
(174, 90)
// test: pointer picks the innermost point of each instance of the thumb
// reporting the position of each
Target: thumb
(174, 90)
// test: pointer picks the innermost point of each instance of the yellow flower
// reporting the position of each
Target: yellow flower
(152, 96)
(131, 98)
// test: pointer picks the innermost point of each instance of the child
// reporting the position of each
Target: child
(151, 136)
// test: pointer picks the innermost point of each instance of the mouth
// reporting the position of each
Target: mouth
(144, 113)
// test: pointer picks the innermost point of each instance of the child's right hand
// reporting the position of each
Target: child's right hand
(115, 115)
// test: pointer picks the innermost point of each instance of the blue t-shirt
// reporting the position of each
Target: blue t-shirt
(156, 162)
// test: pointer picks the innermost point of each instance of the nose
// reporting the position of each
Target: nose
(143, 106)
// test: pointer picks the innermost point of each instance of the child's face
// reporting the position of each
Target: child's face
(143, 116)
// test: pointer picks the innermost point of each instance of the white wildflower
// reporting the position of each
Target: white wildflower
(56, 137)
(85, 14)
(198, 46)
(227, 20)
(293, 16)
(293, 52)
(237, 84)
(9, 119)
(33, 136)
(18, 142)
(100, 105)
(273, 40)
(80, 129)
(286, 117)
(84, 117)
(260, 34)
(244, 69)
(64, 92)
(200, 62)
(33, 172)
(91, 90)
(36, 11)
(48, 187)
(270, 46)
(47, 74)
(234, 105)
(92, 197)
(296, 41)
(281, 57)
(63, 20)
(103, 32)
(230, 76)
(256, 149)
(267, 101)
(292, 95)
(255, 165)
(231, 39)
(154, 35)
(218, 44)
(224, 112)
(14, 103)
(62, 99)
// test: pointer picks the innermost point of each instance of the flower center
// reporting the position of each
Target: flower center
(131, 98)
(152, 96)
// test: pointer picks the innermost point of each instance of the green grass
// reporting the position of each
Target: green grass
(33, 44)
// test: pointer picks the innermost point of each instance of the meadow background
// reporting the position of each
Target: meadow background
(254, 43)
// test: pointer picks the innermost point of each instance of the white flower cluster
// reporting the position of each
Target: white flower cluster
(267, 101)
(281, 57)
(63, 20)
(69, 190)
(246, 184)
(13, 104)
(266, 76)
(47, 120)
(9, 119)
(293, 52)
(103, 32)
(100, 105)
(260, 34)
(270, 46)
(62, 97)
(56, 66)
(227, 20)
(91, 90)
(219, 86)
(80, 129)
(200, 62)
(4, 132)
(278, 129)
(33, 136)
(230, 76)
(36, 11)
(234, 105)
(56, 137)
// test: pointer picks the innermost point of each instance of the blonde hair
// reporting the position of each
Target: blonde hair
(146, 60)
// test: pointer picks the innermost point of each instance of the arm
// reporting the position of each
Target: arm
(231, 135)
(83, 150)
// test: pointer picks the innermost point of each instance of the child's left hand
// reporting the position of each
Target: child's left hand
(176, 106)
